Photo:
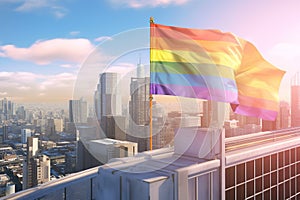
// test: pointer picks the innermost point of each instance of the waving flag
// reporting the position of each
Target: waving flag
(213, 65)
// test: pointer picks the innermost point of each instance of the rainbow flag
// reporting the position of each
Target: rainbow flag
(210, 64)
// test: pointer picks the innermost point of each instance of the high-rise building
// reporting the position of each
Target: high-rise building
(70, 158)
(58, 124)
(78, 111)
(107, 97)
(295, 101)
(7, 108)
(269, 125)
(139, 103)
(284, 115)
(32, 147)
(139, 109)
(114, 127)
(50, 127)
(25, 133)
(36, 171)
(21, 113)
(282, 119)
(36, 167)
(5, 132)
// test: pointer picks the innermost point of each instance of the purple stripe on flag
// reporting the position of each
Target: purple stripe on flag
(256, 112)
(195, 92)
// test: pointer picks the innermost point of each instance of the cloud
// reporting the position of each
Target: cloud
(102, 38)
(147, 3)
(62, 80)
(122, 68)
(33, 87)
(29, 5)
(49, 6)
(49, 51)
(23, 88)
(68, 66)
(74, 33)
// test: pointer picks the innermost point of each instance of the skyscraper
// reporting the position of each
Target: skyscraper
(295, 100)
(7, 108)
(139, 109)
(282, 120)
(36, 167)
(25, 133)
(5, 132)
(107, 97)
(32, 147)
(78, 111)
(139, 103)
(283, 115)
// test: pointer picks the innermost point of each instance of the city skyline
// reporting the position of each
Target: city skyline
(43, 45)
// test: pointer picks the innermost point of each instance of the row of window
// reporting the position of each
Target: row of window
(268, 177)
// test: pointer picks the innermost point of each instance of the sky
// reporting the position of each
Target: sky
(46, 44)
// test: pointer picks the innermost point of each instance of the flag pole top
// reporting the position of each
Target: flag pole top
(151, 20)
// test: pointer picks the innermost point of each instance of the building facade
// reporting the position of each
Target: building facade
(25, 133)
(36, 167)
(107, 97)
(78, 111)
(295, 105)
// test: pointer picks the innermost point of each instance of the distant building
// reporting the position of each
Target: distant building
(58, 124)
(4, 179)
(5, 132)
(232, 128)
(10, 188)
(139, 109)
(139, 103)
(114, 127)
(21, 113)
(7, 109)
(107, 98)
(36, 171)
(36, 167)
(295, 101)
(269, 125)
(78, 111)
(70, 161)
(32, 147)
(284, 115)
(50, 127)
(25, 133)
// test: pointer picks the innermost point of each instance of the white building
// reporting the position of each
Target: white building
(78, 111)
(106, 149)
(108, 100)
(25, 133)
(36, 167)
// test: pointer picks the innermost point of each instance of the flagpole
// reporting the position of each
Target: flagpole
(150, 95)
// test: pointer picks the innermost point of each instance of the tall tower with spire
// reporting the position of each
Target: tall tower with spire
(139, 92)
(139, 107)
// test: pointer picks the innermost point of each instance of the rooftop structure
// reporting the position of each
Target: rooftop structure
(262, 165)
